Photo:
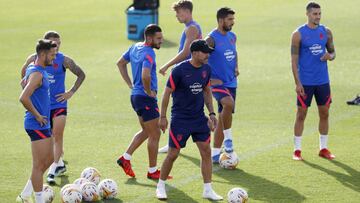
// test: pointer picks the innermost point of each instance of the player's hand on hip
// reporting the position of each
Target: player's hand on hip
(64, 96)
(41, 119)
(300, 90)
(163, 123)
(326, 57)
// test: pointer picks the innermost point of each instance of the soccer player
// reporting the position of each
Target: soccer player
(190, 89)
(192, 31)
(224, 72)
(58, 99)
(35, 98)
(311, 47)
(143, 97)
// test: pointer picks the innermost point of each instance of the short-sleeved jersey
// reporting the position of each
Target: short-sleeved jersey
(313, 71)
(40, 99)
(223, 59)
(141, 56)
(183, 35)
(187, 83)
(56, 73)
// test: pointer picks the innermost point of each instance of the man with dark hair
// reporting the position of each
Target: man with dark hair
(58, 99)
(311, 47)
(189, 85)
(224, 71)
(143, 97)
(35, 98)
(192, 31)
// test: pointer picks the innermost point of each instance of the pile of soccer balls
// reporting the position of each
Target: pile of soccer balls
(89, 188)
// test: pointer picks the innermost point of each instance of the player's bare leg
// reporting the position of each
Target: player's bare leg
(324, 130)
(298, 130)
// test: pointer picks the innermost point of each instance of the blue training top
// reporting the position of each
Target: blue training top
(40, 99)
(141, 56)
(188, 83)
(183, 35)
(313, 71)
(223, 59)
(56, 74)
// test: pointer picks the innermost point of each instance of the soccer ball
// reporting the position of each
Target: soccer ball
(237, 195)
(78, 182)
(108, 189)
(92, 174)
(48, 194)
(89, 191)
(70, 193)
(228, 160)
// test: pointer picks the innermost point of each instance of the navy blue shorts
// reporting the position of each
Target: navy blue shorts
(38, 134)
(180, 132)
(321, 92)
(220, 92)
(145, 107)
(57, 112)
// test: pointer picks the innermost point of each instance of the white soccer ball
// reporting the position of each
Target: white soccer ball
(48, 194)
(108, 189)
(92, 174)
(228, 160)
(237, 195)
(89, 191)
(78, 182)
(71, 193)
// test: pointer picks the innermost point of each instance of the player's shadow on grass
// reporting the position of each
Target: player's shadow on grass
(351, 181)
(64, 179)
(172, 192)
(257, 187)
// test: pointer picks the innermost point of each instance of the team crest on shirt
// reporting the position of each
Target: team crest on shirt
(179, 137)
(204, 74)
(321, 36)
(55, 65)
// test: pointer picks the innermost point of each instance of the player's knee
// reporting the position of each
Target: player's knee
(228, 103)
(324, 115)
(300, 116)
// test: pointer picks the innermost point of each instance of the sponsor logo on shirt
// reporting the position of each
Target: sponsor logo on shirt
(51, 78)
(196, 88)
(316, 49)
(229, 55)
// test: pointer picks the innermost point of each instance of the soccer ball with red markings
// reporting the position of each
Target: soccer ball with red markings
(228, 160)
(108, 189)
(89, 191)
(48, 194)
(92, 174)
(237, 195)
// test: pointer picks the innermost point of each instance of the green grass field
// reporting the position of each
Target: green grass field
(101, 121)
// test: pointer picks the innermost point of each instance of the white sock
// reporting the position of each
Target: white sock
(52, 168)
(39, 197)
(161, 183)
(61, 162)
(207, 187)
(227, 134)
(152, 169)
(28, 189)
(297, 142)
(215, 151)
(323, 141)
(127, 156)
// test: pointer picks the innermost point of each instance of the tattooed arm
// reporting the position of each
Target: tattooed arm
(330, 54)
(74, 68)
(295, 48)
